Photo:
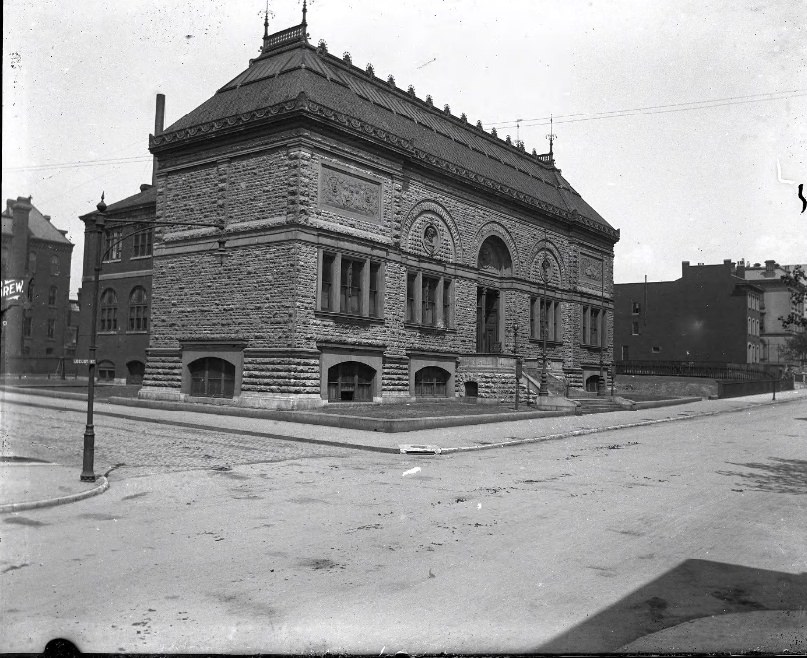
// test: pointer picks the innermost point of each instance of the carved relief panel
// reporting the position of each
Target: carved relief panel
(349, 194)
(591, 271)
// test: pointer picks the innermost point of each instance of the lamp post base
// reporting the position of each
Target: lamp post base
(87, 474)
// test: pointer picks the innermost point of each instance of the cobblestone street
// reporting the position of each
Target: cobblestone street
(57, 435)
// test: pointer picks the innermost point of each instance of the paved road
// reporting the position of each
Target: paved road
(583, 544)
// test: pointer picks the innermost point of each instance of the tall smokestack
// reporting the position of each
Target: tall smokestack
(159, 125)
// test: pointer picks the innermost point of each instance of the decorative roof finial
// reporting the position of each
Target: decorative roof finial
(551, 137)
(305, 11)
(266, 23)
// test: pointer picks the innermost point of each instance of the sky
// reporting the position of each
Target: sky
(683, 123)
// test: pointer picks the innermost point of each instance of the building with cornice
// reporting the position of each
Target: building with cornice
(378, 248)
(124, 294)
(35, 335)
(776, 303)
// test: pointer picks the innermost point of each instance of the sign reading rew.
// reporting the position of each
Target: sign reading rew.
(14, 291)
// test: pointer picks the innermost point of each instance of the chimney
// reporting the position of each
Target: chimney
(159, 125)
(47, 218)
(20, 210)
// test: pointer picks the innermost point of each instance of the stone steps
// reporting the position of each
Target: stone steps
(598, 405)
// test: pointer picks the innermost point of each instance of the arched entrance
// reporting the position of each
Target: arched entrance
(493, 260)
(350, 381)
(592, 383)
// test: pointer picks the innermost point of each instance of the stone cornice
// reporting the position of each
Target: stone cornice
(302, 105)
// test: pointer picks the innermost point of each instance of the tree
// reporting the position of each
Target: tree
(796, 282)
(796, 347)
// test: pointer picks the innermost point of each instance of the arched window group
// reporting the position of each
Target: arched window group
(138, 310)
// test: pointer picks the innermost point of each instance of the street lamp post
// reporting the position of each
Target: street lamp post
(87, 471)
(543, 310)
(518, 363)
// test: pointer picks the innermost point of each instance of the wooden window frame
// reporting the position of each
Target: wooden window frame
(351, 286)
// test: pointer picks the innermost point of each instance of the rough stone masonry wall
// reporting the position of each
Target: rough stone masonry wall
(523, 237)
(163, 369)
(287, 374)
(265, 294)
(249, 297)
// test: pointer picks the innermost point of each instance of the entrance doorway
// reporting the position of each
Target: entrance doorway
(487, 320)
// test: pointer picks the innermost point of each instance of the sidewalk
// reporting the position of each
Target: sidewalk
(27, 485)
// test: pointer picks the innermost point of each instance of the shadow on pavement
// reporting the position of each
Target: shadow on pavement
(693, 589)
(787, 476)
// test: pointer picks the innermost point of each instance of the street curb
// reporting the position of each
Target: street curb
(45, 393)
(597, 430)
(62, 500)
(363, 423)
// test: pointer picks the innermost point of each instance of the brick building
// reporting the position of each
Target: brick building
(35, 332)
(124, 288)
(776, 303)
(710, 314)
(377, 247)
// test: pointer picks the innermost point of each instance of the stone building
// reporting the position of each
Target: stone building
(35, 330)
(776, 303)
(710, 314)
(378, 248)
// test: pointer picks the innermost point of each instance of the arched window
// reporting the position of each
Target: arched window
(431, 382)
(31, 291)
(109, 311)
(52, 294)
(350, 382)
(54, 265)
(212, 377)
(138, 310)
(106, 371)
(494, 256)
(135, 372)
